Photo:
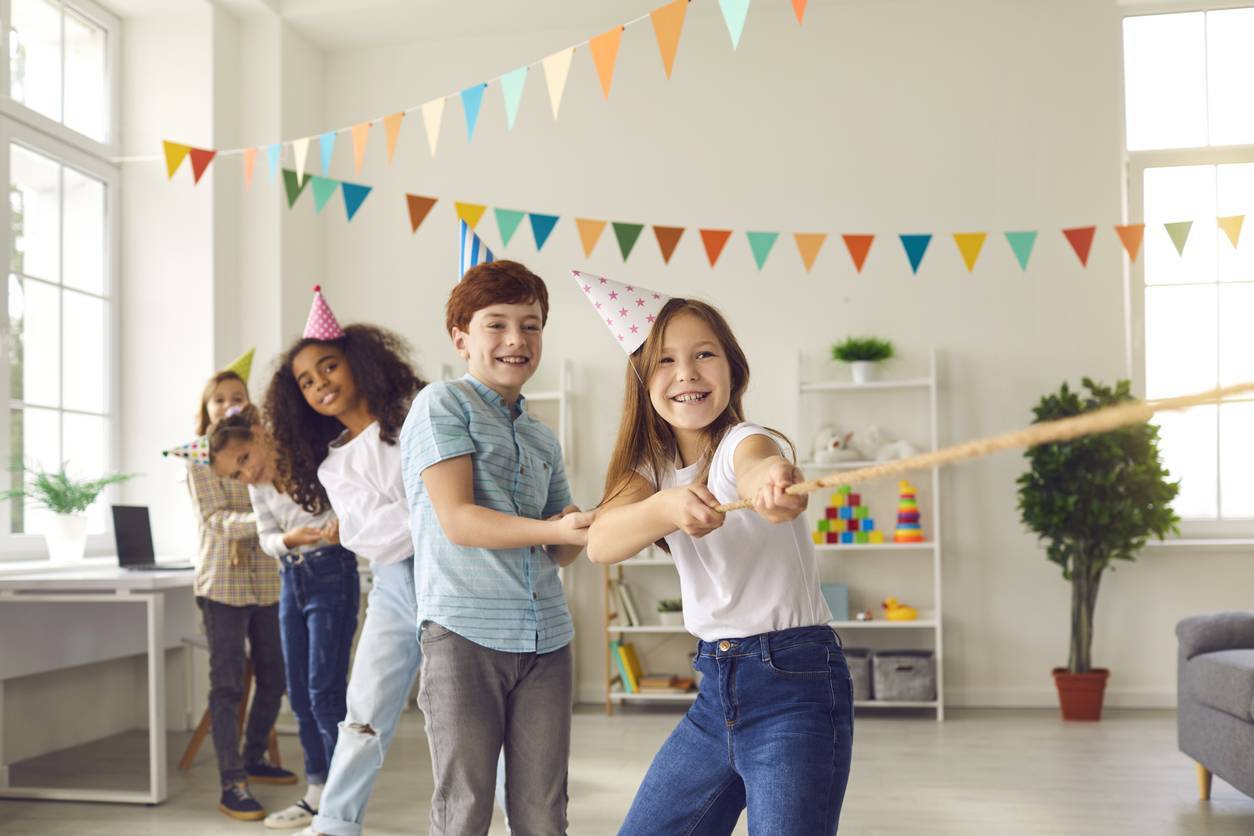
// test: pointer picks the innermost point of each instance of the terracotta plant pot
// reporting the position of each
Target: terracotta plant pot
(1080, 694)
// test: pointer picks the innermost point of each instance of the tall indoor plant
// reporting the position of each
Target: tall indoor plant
(68, 499)
(1093, 500)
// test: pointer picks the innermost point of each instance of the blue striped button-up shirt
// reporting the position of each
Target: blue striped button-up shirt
(504, 599)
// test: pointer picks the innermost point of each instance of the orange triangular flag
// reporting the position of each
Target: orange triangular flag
(1231, 225)
(858, 246)
(419, 206)
(1081, 238)
(250, 162)
(970, 244)
(201, 157)
(1131, 235)
(668, 236)
(361, 132)
(174, 154)
(668, 22)
(604, 53)
(799, 8)
(393, 126)
(714, 240)
(808, 244)
(589, 233)
(470, 212)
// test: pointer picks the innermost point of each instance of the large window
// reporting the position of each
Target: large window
(1189, 81)
(58, 226)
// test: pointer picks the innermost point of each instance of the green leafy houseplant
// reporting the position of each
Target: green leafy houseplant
(60, 494)
(1094, 500)
(670, 605)
(862, 349)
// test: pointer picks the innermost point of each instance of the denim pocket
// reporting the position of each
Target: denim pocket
(810, 660)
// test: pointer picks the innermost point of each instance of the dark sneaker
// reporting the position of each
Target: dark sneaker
(238, 803)
(264, 772)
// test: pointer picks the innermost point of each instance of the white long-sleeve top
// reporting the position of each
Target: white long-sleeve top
(362, 478)
(278, 514)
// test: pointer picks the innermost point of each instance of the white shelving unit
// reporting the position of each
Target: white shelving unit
(810, 402)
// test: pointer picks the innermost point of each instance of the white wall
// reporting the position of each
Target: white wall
(901, 116)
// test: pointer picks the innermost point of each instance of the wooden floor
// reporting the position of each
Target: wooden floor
(1010, 773)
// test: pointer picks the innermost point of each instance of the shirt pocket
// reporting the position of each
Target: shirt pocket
(534, 476)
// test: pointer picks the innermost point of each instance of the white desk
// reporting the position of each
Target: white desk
(94, 582)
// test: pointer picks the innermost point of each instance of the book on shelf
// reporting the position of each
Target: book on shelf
(629, 605)
(631, 665)
(616, 653)
(657, 680)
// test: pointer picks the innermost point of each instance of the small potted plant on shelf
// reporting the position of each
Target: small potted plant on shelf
(864, 355)
(670, 612)
(1093, 500)
(68, 499)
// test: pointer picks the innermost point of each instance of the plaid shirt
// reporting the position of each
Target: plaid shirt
(232, 570)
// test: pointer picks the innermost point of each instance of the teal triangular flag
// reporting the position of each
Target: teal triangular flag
(512, 88)
(542, 227)
(1022, 244)
(293, 185)
(1179, 232)
(734, 13)
(916, 246)
(627, 235)
(326, 146)
(323, 188)
(507, 221)
(272, 155)
(761, 243)
(472, 99)
(354, 194)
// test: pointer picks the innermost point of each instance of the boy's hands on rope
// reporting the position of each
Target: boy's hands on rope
(692, 510)
(573, 525)
(771, 503)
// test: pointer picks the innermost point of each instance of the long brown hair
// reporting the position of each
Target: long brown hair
(646, 443)
(202, 419)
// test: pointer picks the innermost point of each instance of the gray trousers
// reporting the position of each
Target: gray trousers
(476, 700)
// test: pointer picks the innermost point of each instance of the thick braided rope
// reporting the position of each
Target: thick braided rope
(1064, 429)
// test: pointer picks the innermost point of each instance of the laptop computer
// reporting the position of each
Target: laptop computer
(132, 534)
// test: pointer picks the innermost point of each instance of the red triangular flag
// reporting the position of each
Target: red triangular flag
(799, 8)
(1081, 238)
(714, 240)
(858, 246)
(1131, 235)
(419, 206)
(201, 157)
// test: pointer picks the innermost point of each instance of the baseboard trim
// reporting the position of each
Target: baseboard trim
(996, 697)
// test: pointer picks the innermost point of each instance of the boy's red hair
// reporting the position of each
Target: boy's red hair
(494, 283)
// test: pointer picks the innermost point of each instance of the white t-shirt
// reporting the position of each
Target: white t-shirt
(362, 478)
(750, 576)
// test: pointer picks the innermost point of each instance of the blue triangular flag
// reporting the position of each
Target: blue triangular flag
(1022, 244)
(542, 227)
(472, 99)
(272, 155)
(326, 145)
(916, 246)
(734, 13)
(512, 88)
(354, 194)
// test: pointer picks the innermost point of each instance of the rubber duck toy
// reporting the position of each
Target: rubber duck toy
(895, 611)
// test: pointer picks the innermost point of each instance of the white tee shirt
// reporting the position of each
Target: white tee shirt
(750, 576)
(362, 478)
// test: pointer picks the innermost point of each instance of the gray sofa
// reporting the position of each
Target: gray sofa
(1216, 697)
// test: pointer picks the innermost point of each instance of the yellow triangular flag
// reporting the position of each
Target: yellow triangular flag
(242, 365)
(668, 23)
(808, 244)
(970, 244)
(432, 115)
(589, 233)
(361, 132)
(469, 212)
(604, 49)
(300, 147)
(175, 153)
(1231, 225)
(556, 69)
(392, 124)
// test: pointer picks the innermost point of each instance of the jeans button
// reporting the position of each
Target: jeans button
(724, 645)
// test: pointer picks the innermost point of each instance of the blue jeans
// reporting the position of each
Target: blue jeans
(317, 619)
(387, 662)
(772, 729)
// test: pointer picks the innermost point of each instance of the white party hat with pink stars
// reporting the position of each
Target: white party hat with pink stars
(322, 324)
(629, 311)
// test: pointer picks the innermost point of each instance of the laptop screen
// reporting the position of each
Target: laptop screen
(132, 534)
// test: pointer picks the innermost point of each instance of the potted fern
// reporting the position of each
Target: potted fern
(1093, 501)
(863, 354)
(68, 500)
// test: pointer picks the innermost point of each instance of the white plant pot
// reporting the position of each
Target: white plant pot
(66, 536)
(670, 619)
(865, 371)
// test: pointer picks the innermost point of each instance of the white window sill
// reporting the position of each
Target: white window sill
(1230, 543)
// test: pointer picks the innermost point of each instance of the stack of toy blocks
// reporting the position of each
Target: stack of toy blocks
(908, 529)
(847, 520)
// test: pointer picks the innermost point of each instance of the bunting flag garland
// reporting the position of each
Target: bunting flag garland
(250, 162)
(326, 148)
(605, 54)
(392, 127)
(470, 212)
(300, 149)
(799, 9)
(1131, 235)
(361, 133)
(915, 247)
(627, 235)
(667, 238)
(589, 233)
(273, 153)
(668, 24)
(472, 100)
(419, 207)
(323, 189)
(432, 116)
(556, 69)
(1022, 243)
(200, 157)
(761, 244)
(1081, 240)
(969, 245)
(354, 195)
(512, 84)
(1179, 232)
(175, 153)
(858, 246)
(1231, 225)
(293, 185)
(808, 246)
(507, 221)
(542, 228)
(714, 241)
(734, 14)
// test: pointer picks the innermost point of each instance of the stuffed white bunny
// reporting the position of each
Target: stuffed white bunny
(831, 446)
